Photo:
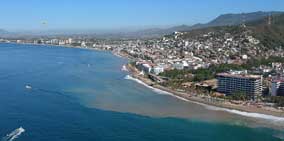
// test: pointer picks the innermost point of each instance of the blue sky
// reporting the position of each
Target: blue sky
(111, 14)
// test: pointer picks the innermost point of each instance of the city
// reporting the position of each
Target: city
(142, 70)
(185, 63)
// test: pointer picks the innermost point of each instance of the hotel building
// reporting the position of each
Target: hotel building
(230, 83)
(277, 87)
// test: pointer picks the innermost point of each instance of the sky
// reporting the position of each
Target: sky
(115, 14)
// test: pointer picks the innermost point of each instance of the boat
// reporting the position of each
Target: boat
(28, 87)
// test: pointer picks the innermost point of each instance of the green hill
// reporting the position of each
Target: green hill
(270, 35)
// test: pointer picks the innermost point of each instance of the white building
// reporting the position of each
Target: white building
(70, 41)
(54, 41)
(61, 42)
(185, 64)
(83, 44)
(158, 69)
(144, 67)
(178, 66)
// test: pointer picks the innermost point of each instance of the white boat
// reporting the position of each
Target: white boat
(28, 87)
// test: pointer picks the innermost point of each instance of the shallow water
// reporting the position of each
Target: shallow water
(80, 94)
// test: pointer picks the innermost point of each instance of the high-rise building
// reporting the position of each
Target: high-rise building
(277, 86)
(230, 83)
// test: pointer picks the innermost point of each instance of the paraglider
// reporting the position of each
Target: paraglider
(44, 23)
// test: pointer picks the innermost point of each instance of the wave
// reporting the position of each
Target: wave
(248, 114)
(124, 68)
(14, 135)
(128, 77)
(209, 107)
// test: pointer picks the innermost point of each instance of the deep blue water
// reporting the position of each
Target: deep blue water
(81, 95)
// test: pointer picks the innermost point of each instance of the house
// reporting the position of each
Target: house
(158, 69)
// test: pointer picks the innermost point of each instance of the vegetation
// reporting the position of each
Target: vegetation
(271, 36)
(176, 74)
(210, 73)
(241, 96)
(263, 61)
(177, 77)
(279, 100)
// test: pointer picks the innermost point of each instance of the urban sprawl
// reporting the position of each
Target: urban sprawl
(216, 66)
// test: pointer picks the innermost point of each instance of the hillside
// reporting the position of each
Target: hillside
(236, 19)
(270, 35)
(222, 20)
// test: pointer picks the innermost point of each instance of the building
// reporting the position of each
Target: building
(70, 41)
(178, 66)
(230, 83)
(158, 69)
(144, 67)
(277, 87)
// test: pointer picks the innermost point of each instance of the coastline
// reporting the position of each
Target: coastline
(248, 111)
(63, 46)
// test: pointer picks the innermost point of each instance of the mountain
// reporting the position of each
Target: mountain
(2, 31)
(222, 20)
(270, 31)
(236, 19)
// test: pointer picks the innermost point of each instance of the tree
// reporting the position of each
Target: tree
(278, 100)
(239, 95)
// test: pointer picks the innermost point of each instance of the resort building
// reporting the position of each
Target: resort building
(144, 67)
(277, 87)
(230, 83)
(158, 69)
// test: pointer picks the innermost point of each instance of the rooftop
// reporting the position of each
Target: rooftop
(245, 76)
(278, 79)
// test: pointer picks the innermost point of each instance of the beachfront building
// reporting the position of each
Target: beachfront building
(144, 67)
(277, 87)
(230, 83)
(158, 69)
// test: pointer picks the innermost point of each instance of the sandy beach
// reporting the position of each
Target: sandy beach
(247, 110)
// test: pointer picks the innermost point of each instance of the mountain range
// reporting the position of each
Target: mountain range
(222, 20)
(2, 31)
(269, 30)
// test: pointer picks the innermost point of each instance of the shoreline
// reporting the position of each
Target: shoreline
(248, 111)
(133, 72)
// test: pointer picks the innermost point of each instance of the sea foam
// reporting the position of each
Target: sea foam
(209, 107)
(124, 68)
(14, 134)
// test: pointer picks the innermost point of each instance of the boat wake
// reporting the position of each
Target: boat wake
(209, 107)
(14, 135)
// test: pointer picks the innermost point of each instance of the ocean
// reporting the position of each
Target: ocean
(50, 93)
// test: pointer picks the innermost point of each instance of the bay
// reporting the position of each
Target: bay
(80, 94)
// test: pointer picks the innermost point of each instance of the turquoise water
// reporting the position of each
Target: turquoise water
(83, 95)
